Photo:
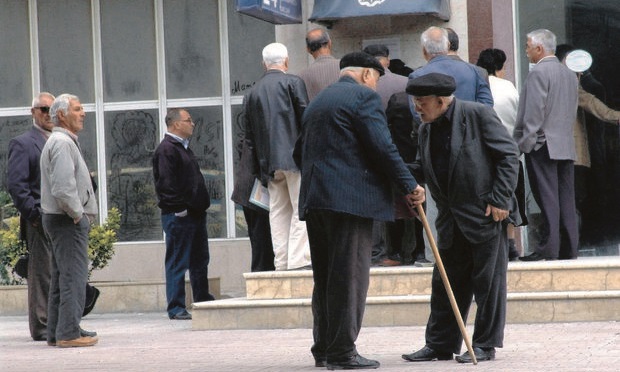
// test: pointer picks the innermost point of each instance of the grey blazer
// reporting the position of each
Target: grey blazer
(483, 169)
(547, 110)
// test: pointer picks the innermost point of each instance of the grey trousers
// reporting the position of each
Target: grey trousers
(69, 271)
(40, 250)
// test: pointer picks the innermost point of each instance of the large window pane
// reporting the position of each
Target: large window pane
(10, 127)
(15, 79)
(131, 139)
(247, 37)
(192, 49)
(207, 143)
(128, 47)
(66, 49)
(593, 26)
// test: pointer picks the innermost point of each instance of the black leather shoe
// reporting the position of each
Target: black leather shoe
(426, 354)
(482, 354)
(183, 315)
(353, 362)
(320, 362)
(533, 257)
(85, 333)
(92, 294)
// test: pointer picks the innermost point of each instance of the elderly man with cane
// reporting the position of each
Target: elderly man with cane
(470, 165)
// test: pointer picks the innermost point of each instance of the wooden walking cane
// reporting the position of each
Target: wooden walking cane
(446, 283)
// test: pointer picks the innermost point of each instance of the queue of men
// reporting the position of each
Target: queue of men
(464, 156)
(322, 144)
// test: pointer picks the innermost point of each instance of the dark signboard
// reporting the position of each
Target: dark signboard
(329, 10)
(279, 12)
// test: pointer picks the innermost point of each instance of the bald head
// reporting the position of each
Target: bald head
(434, 42)
(318, 42)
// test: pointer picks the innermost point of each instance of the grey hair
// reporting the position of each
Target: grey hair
(435, 41)
(274, 54)
(37, 99)
(174, 114)
(544, 38)
(351, 68)
(61, 103)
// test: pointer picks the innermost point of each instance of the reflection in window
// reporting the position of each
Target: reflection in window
(14, 54)
(56, 56)
(207, 143)
(128, 48)
(246, 49)
(131, 139)
(192, 53)
(10, 127)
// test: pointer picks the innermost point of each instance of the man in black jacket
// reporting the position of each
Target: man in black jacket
(272, 111)
(183, 200)
(470, 165)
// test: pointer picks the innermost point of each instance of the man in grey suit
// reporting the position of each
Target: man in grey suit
(544, 133)
(348, 162)
(470, 165)
(325, 69)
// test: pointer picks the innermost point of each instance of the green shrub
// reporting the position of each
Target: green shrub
(101, 241)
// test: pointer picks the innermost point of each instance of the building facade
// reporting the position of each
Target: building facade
(131, 60)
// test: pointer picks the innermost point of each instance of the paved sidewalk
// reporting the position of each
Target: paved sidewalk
(150, 342)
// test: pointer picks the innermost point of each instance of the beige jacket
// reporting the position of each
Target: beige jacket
(589, 103)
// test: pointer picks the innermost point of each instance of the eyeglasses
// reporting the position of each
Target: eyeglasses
(44, 109)
(187, 120)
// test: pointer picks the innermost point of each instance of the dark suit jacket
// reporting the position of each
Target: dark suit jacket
(483, 169)
(24, 173)
(272, 113)
(179, 183)
(346, 155)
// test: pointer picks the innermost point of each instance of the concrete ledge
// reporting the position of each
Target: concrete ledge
(116, 297)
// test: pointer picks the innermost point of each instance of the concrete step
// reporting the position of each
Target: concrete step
(405, 310)
(584, 274)
(587, 289)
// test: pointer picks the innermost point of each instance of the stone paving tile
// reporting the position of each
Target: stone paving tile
(152, 343)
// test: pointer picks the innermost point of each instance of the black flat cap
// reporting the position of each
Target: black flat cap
(377, 50)
(361, 59)
(433, 84)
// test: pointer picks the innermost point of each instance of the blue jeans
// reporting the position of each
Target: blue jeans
(187, 248)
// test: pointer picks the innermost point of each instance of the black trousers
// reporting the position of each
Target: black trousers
(474, 270)
(259, 232)
(553, 187)
(340, 248)
(39, 278)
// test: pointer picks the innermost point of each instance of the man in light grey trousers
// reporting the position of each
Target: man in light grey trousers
(69, 205)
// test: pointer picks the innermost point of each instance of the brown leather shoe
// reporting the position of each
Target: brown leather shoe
(389, 262)
(77, 342)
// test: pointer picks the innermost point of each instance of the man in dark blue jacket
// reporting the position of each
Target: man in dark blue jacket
(24, 184)
(183, 200)
(348, 162)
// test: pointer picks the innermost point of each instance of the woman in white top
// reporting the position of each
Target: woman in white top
(505, 95)
(506, 102)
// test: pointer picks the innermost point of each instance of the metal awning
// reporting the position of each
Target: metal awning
(332, 10)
